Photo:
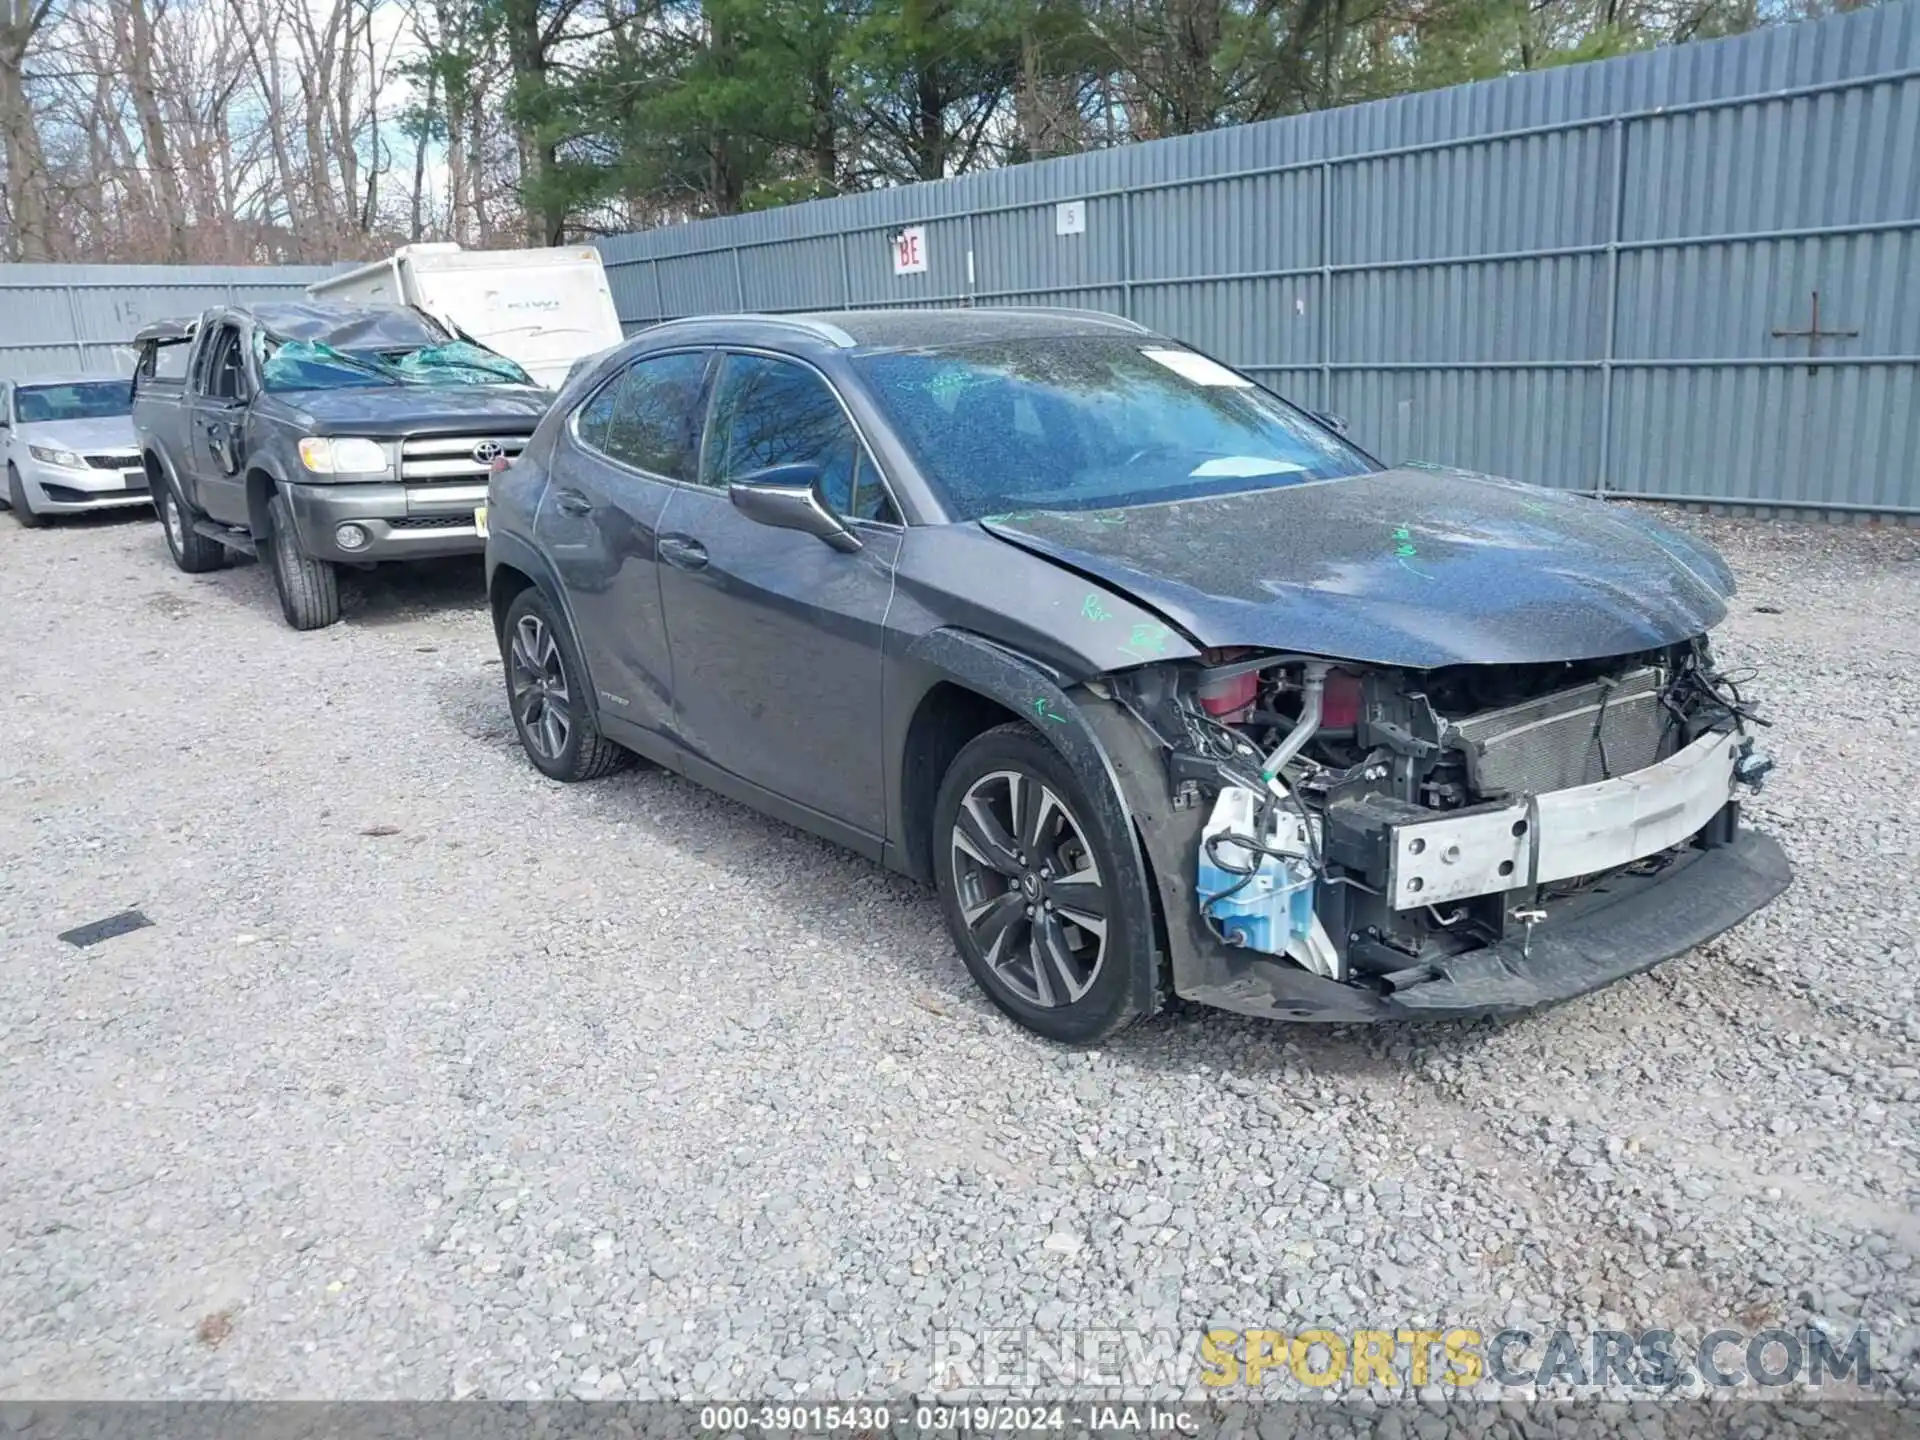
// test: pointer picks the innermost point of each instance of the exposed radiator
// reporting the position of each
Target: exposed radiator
(1573, 737)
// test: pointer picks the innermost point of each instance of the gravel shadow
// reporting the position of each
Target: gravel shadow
(130, 518)
(398, 594)
(388, 596)
(700, 824)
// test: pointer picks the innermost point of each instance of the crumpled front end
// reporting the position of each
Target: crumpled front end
(1341, 841)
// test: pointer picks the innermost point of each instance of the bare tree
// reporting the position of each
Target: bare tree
(137, 29)
(234, 131)
(29, 208)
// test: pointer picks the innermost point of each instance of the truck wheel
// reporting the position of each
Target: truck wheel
(547, 693)
(192, 552)
(309, 592)
(18, 503)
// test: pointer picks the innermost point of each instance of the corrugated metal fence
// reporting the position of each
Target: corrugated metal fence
(56, 319)
(1688, 274)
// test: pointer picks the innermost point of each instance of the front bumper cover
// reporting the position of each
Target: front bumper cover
(1624, 925)
(399, 526)
(1628, 924)
(55, 490)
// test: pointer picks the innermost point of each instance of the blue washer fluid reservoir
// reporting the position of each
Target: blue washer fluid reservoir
(1274, 908)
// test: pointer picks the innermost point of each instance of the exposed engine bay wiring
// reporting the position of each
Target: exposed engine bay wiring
(1308, 769)
(1699, 697)
(1253, 781)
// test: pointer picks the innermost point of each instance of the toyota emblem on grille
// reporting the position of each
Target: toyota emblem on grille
(488, 451)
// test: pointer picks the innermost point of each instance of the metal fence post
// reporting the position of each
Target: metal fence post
(1326, 284)
(846, 273)
(659, 291)
(739, 283)
(1615, 223)
(1126, 253)
(73, 322)
(970, 262)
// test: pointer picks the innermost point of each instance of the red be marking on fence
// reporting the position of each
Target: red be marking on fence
(910, 251)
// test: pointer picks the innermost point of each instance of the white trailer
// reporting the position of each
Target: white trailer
(545, 308)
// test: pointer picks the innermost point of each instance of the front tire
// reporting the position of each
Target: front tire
(18, 502)
(1035, 895)
(192, 552)
(309, 589)
(546, 690)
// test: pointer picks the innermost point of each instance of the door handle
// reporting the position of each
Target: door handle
(684, 551)
(572, 502)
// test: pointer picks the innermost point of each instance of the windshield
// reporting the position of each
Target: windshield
(312, 365)
(88, 400)
(1093, 424)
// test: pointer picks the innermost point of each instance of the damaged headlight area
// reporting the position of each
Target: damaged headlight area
(1369, 823)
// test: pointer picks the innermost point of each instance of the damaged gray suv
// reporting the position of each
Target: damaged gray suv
(1166, 687)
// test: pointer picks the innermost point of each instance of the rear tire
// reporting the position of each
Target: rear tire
(18, 502)
(192, 552)
(547, 694)
(1036, 898)
(309, 589)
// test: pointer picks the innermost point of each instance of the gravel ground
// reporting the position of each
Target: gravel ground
(433, 1078)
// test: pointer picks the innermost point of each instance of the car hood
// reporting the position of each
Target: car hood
(110, 434)
(387, 412)
(1413, 567)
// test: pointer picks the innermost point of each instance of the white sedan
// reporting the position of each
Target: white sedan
(69, 447)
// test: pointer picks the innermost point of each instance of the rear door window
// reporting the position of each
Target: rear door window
(648, 416)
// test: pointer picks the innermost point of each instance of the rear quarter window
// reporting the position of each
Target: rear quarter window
(162, 367)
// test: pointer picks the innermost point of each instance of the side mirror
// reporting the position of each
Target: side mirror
(1336, 423)
(788, 497)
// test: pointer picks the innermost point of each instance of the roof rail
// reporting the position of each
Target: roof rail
(1125, 322)
(819, 329)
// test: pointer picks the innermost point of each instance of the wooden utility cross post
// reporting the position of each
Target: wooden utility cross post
(1813, 334)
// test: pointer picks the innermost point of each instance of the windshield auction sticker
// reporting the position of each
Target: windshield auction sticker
(1198, 368)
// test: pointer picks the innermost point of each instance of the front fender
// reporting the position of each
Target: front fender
(1199, 967)
(961, 578)
(1055, 709)
(1034, 693)
(265, 462)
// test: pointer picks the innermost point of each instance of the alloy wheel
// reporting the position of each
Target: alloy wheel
(1029, 888)
(538, 684)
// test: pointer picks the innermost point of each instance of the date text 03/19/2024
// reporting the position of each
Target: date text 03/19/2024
(1007, 1419)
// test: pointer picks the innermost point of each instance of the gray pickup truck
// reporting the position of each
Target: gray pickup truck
(317, 435)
